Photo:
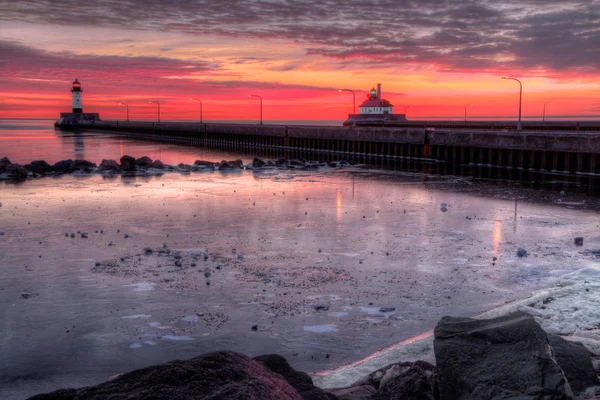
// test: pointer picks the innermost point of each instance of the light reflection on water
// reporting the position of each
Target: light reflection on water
(25, 141)
(384, 243)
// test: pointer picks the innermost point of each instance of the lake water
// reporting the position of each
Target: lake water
(328, 266)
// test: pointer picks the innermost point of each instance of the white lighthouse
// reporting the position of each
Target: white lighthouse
(76, 91)
(77, 117)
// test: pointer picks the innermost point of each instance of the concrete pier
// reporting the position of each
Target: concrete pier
(567, 149)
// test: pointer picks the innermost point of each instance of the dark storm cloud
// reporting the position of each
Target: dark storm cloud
(456, 35)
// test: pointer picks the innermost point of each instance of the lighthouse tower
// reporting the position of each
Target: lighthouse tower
(76, 90)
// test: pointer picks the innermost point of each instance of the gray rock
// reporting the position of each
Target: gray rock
(84, 235)
(109, 165)
(578, 241)
(498, 358)
(39, 167)
(157, 164)
(387, 309)
(521, 252)
(219, 375)
(144, 162)
(576, 363)
(127, 163)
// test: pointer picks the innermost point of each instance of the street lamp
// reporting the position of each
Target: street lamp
(544, 115)
(467, 105)
(200, 107)
(519, 125)
(255, 95)
(353, 98)
(158, 104)
(405, 112)
(126, 105)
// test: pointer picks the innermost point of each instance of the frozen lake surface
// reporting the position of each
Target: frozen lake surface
(324, 268)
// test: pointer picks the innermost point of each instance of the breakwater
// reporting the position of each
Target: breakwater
(565, 148)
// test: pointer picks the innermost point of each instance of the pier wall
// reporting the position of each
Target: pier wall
(559, 151)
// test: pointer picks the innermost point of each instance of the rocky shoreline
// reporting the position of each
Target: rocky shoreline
(509, 357)
(146, 166)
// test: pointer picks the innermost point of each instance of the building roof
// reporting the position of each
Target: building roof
(376, 103)
(76, 82)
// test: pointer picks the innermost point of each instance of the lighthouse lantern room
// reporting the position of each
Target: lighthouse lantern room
(76, 91)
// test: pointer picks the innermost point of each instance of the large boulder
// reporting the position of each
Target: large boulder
(64, 166)
(144, 162)
(39, 167)
(109, 165)
(576, 362)
(300, 381)
(16, 172)
(498, 358)
(219, 375)
(127, 163)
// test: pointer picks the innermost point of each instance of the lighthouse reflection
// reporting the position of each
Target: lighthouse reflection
(78, 146)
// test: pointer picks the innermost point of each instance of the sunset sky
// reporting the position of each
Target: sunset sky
(432, 55)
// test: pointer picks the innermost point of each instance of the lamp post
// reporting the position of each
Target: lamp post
(467, 105)
(158, 104)
(519, 125)
(405, 110)
(255, 95)
(544, 114)
(353, 98)
(126, 105)
(200, 101)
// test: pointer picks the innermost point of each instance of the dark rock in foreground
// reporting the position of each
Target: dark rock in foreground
(64, 166)
(109, 165)
(505, 358)
(39, 167)
(219, 375)
(4, 162)
(258, 163)
(401, 381)
(83, 164)
(144, 162)
(298, 380)
(157, 164)
(127, 163)
(576, 362)
(16, 172)
(501, 358)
